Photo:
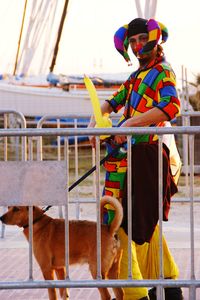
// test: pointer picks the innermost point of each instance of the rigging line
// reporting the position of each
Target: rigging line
(23, 55)
(59, 36)
(150, 9)
(153, 9)
(46, 32)
(147, 9)
(139, 9)
(39, 19)
(29, 48)
(45, 58)
(39, 26)
(20, 36)
(41, 29)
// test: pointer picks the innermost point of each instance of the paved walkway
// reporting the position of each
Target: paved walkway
(14, 255)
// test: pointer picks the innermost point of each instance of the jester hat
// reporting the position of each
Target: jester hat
(152, 27)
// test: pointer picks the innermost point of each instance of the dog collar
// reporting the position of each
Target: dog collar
(34, 221)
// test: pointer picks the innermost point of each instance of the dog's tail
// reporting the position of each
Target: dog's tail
(115, 224)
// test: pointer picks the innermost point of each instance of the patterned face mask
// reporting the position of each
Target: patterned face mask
(155, 31)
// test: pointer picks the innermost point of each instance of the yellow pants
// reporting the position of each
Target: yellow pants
(145, 263)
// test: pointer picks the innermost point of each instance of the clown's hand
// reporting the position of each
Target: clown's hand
(106, 123)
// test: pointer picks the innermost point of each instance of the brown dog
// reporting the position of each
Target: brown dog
(49, 244)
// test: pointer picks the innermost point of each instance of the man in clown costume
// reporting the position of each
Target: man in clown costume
(148, 98)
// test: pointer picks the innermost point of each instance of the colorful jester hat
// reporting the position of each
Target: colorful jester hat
(153, 28)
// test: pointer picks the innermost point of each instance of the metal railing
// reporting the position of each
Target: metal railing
(17, 119)
(160, 283)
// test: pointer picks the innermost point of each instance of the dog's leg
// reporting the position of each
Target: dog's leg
(49, 275)
(105, 295)
(114, 274)
(61, 274)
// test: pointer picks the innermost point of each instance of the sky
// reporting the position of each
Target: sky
(87, 40)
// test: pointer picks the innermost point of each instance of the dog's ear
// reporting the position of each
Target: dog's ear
(15, 208)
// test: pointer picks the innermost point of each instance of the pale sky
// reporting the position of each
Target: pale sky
(87, 40)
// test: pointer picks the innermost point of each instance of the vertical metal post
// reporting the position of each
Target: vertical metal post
(129, 199)
(5, 138)
(30, 221)
(67, 211)
(185, 123)
(30, 148)
(39, 148)
(186, 91)
(60, 212)
(160, 290)
(94, 174)
(39, 141)
(192, 290)
(76, 171)
(24, 146)
(98, 207)
(58, 142)
(5, 119)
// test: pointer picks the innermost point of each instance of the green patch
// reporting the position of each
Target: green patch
(142, 88)
(158, 79)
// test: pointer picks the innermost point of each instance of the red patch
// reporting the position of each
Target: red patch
(167, 73)
(171, 110)
(112, 184)
(110, 167)
(136, 84)
(123, 163)
(175, 100)
(150, 93)
(159, 68)
(142, 106)
(168, 83)
(108, 193)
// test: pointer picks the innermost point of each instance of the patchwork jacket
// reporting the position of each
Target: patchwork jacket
(146, 88)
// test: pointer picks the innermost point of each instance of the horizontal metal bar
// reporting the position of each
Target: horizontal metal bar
(87, 200)
(97, 283)
(91, 200)
(190, 114)
(100, 131)
(181, 199)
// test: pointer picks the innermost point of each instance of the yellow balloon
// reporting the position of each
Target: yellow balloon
(101, 121)
(95, 101)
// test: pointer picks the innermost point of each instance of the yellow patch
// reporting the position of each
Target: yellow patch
(143, 74)
(153, 35)
(149, 100)
(171, 79)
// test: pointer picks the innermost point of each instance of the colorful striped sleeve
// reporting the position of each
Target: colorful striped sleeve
(118, 99)
(168, 98)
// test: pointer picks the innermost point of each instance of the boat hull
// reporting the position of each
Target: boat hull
(40, 101)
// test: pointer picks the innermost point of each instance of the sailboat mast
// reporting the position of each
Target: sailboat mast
(59, 36)
(149, 9)
(20, 37)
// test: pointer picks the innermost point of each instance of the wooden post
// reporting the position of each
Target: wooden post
(59, 36)
(20, 36)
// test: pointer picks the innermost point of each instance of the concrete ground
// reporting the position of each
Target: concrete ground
(14, 254)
